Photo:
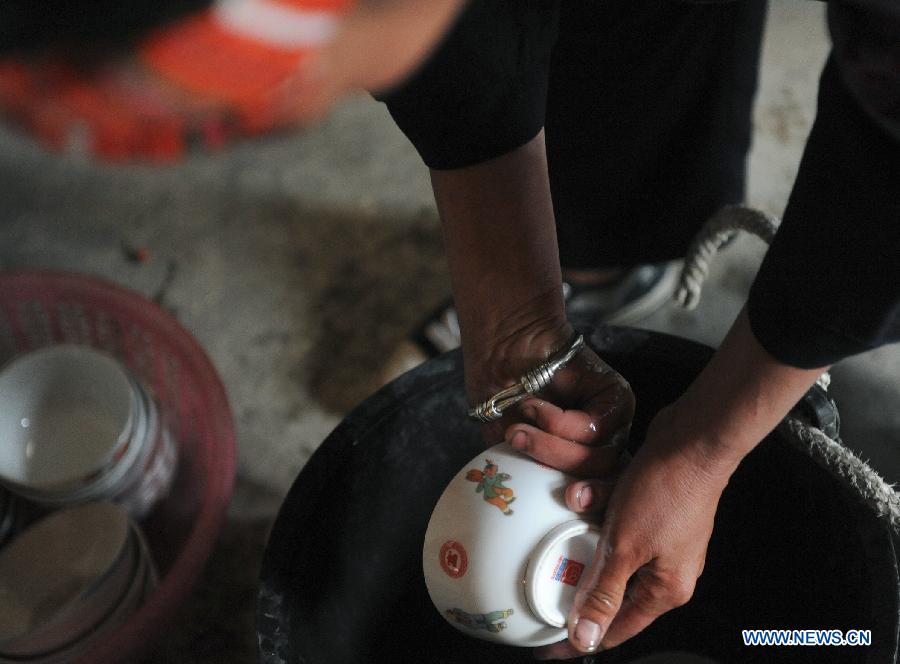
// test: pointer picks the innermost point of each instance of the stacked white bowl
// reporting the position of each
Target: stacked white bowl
(83, 440)
(77, 427)
(69, 581)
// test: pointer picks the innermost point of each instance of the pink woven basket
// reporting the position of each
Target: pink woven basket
(39, 309)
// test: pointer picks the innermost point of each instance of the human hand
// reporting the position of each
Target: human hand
(659, 515)
(376, 45)
(655, 533)
(580, 422)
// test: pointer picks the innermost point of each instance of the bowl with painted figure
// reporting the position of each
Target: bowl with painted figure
(503, 554)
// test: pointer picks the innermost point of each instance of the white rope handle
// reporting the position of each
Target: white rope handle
(720, 228)
(851, 471)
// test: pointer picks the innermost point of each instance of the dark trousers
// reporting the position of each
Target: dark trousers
(648, 123)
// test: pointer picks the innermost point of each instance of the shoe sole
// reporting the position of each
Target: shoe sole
(651, 301)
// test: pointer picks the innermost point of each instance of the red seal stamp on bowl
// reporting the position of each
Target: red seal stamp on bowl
(454, 560)
(567, 571)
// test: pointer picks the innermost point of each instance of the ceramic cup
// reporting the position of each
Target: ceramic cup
(503, 554)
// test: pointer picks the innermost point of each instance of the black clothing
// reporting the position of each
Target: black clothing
(646, 107)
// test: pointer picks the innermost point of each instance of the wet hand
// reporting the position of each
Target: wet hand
(581, 421)
(657, 523)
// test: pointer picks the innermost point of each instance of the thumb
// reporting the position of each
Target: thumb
(599, 599)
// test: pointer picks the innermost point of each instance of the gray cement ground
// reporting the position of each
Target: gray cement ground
(301, 260)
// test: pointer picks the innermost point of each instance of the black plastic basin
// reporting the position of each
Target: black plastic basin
(342, 581)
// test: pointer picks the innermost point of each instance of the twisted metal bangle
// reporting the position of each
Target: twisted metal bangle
(531, 382)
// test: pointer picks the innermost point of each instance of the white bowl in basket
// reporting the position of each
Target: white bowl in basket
(503, 554)
(67, 413)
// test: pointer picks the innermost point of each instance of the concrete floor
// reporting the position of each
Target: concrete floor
(301, 260)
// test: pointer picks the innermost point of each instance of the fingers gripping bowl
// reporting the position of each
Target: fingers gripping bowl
(503, 554)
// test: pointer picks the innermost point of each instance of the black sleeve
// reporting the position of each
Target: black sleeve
(829, 286)
(483, 91)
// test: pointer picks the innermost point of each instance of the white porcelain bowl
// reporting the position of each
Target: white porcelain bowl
(70, 581)
(66, 414)
(62, 575)
(503, 554)
(80, 428)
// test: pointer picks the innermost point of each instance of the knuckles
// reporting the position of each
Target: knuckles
(655, 596)
(600, 603)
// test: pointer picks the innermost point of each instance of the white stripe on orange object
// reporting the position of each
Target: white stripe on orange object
(275, 23)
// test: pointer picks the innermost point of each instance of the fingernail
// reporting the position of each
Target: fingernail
(519, 440)
(587, 635)
(529, 412)
(585, 496)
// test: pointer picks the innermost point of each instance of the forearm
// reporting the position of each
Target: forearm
(504, 265)
(739, 397)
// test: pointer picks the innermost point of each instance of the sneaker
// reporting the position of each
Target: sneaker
(634, 296)
(439, 333)
(631, 298)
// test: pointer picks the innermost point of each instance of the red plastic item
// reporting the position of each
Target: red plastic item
(43, 308)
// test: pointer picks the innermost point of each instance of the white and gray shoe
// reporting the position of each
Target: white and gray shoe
(632, 297)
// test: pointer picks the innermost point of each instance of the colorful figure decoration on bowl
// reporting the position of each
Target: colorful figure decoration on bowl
(492, 622)
(490, 483)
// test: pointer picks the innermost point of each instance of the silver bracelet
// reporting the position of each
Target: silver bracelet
(530, 383)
